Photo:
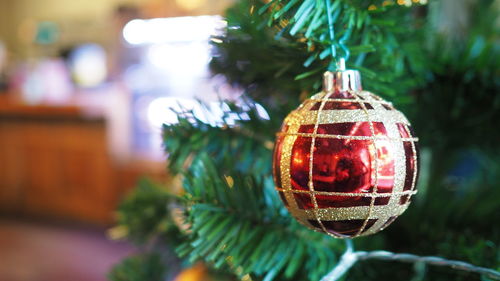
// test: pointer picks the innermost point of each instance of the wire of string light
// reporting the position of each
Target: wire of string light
(351, 257)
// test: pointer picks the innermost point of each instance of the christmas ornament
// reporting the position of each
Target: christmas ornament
(345, 161)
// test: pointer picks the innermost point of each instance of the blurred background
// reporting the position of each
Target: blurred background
(84, 88)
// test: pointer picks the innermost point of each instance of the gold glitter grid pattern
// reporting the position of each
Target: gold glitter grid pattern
(390, 118)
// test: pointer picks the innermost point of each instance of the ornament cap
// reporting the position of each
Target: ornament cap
(342, 79)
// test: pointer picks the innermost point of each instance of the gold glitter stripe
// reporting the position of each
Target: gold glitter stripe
(354, 101)
(311, 164)
(399, 172)
(349, 116)
(286, 161)
(347, 194)
(351, 213)
(345, 137)
(374, 143)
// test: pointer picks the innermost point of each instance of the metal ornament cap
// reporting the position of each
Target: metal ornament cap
(342, 79)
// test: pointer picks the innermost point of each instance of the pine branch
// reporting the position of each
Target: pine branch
(143, 214)
(317, 20)
(267, 59)
(238, 222)
(233, 146)
(149, 267)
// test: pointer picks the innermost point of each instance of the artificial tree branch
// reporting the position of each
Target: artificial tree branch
(350, 257)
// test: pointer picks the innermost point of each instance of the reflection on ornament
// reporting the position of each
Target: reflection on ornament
(345, 160)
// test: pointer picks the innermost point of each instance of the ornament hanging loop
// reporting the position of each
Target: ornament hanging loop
(342, 79)
(331, 32)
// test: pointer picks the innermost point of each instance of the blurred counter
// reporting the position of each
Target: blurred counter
(55, 162)
(14, 111)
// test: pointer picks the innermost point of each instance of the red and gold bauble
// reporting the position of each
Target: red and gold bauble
(345, 161)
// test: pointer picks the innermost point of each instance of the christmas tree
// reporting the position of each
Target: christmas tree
(437, 62)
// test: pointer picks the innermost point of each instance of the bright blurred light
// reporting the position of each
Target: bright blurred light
(173, 30)
(189, 58)
(262, 112)
(190, 4)
(88, 65)
(166, 110)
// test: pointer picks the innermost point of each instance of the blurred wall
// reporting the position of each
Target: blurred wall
(82, 20)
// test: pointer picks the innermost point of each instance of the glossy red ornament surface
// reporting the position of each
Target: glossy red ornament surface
(342, 165)
(347, 158)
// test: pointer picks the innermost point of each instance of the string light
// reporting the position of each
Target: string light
(190, 4)
(407, 3)
(387, 3)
